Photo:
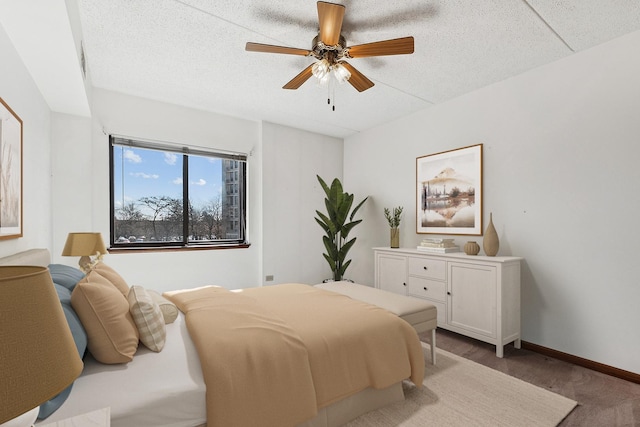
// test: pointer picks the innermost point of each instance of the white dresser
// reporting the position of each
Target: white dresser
(477, 296)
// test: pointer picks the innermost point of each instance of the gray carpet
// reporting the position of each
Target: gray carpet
(459, 392)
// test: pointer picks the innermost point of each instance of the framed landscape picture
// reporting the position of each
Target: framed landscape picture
(10, 173)
(449, 192)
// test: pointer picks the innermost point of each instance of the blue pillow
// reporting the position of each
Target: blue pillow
(77, 330)
(65, 275)
(50, 406)
(79, 337)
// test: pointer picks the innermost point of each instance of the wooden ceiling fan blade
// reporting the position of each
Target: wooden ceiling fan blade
(258, 47)
(401, 46)
(298, 80)
(357, 79)
(330, 18)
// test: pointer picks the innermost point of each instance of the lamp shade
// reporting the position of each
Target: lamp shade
(38, 357)
(83, 244)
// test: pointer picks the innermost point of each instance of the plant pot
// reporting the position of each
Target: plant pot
(395, 238)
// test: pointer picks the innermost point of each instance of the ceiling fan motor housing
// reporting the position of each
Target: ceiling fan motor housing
(320, 50)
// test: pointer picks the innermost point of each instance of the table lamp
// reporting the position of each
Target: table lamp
(85, 245)
(38, 357)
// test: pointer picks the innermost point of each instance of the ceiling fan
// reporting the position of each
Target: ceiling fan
(331, 51)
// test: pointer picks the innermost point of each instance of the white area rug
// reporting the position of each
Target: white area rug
(459, 392)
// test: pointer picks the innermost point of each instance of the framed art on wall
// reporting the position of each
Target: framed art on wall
(449, 192)
(10, 173)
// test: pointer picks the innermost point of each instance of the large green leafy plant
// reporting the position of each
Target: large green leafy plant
(337, 223)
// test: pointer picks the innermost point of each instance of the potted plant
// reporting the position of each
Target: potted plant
(394, 223)
(337, 223)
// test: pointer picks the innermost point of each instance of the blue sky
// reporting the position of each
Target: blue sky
(147, 173)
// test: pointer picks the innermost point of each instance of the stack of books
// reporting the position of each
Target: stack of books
(438, 245)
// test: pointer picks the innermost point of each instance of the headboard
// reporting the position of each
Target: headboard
(40, 257)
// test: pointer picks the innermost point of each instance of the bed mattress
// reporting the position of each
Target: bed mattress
(163, 389)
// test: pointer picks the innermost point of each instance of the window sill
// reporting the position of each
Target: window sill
(129, 249)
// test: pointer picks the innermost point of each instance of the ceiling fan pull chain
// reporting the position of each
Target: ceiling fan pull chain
(331, 93)
(333, 96)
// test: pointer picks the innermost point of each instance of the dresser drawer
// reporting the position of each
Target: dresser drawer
(428, 267)
(425, 288)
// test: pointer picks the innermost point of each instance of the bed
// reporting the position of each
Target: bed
(168, 388)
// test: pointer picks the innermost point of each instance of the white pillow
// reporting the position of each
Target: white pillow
(169, 309)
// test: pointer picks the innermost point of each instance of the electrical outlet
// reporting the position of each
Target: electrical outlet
(269, 278)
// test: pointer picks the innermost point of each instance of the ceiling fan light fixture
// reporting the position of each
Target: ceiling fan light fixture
(321, 69)
(341, 73)
(324, 80)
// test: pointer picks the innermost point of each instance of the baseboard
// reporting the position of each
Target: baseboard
(590, 364)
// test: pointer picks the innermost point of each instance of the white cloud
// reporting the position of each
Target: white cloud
(144, 175)
(170, 158)
(132, 157)
(177, 181)
(200, 182)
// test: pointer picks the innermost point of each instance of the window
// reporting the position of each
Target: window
(150, 183)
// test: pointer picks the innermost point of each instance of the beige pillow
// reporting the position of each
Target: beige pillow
(94, 276)
(104, 313)
(169, 309)
(148, 318)
(111, 275)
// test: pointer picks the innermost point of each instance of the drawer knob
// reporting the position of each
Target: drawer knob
(425, 267)
(404, 284)
(448, 293)
(425, 288)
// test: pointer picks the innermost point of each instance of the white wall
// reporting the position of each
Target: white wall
(561, 158)
(292, 158)
(71, 191)
(19, 91)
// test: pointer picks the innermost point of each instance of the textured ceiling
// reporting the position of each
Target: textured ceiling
(191, 52)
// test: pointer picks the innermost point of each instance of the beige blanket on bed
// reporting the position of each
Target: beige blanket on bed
(271, 356)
